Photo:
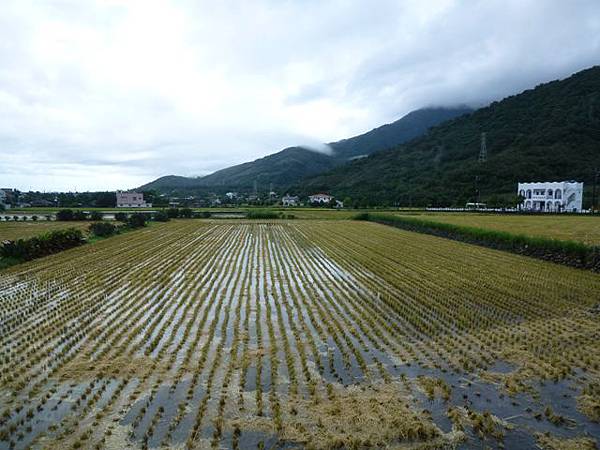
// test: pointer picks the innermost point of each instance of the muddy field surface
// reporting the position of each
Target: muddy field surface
(297, 334)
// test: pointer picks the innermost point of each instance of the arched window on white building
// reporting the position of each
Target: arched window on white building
(528, 204)
(549, 193)
(557, 206)
(528, 193)
(558, 194)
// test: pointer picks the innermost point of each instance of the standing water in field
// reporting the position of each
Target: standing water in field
(283, 335)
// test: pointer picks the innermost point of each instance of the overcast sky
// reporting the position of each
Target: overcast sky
(111, 94)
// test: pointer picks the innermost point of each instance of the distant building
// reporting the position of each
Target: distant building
(290, 200)
(131, 200)
(320, 198)
(339, 204)
(553, 196)
(4, 199)
(9, 196)
(231, 195)
(475, 205)
(42, 203)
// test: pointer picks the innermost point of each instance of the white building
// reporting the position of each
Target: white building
(320, 198)
(289, 200)
(131, 200)
(554, 196)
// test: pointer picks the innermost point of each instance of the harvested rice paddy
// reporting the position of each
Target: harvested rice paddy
(296, 334)
(579, 228)
(13, 230)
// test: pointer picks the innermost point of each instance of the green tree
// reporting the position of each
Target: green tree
(186, 213)
(173, 213)
(64, 215)
(161, 216)
(102, 229)
(136, 220)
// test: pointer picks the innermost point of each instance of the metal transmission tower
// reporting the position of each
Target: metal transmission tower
(482, 159)
(483, 149)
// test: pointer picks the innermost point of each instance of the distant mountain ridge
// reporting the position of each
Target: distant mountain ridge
(295, 163)
(551, 132)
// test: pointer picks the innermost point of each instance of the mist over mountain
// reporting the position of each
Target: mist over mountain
(292, 164)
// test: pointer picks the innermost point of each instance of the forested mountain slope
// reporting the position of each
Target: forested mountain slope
(294, 163)
(551, 132)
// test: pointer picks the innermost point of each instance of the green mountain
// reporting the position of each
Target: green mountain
(548, 133)
(294, 163)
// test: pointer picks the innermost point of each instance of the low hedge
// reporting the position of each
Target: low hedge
(137, 220)
(102, 229)
(160, 216)
(571, 253)
(266, 214)
(43, 245)
(262, 214)
(67, 215)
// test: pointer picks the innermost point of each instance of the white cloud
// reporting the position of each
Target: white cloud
(111, 94)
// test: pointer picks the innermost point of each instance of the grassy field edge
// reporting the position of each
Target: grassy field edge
(570, 253)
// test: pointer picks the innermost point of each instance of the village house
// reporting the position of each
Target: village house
(290, 200)
(9, 196)
(131, 200)
(320, 198)
(4, 199)
(553, 196)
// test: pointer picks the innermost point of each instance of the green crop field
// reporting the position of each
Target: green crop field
(296, 334)
(568, 227)
(22, 230)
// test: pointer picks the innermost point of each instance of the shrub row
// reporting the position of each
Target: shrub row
(571, 253)
(59, 240)
(103, 229)
(184, 213)
(266, 214)
(159, 216)
(163, 215)
(22, 218)
(45, 244)
(70, 215)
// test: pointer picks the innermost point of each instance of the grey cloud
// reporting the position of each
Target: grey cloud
(105, 95)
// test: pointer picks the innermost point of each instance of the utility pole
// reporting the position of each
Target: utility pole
(594, 192)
